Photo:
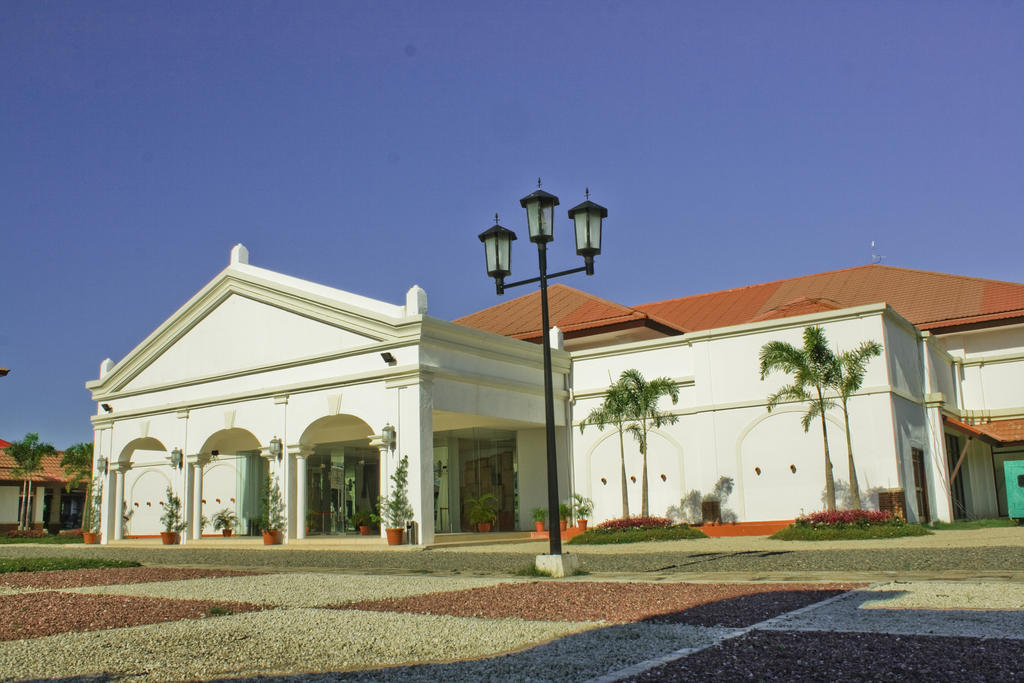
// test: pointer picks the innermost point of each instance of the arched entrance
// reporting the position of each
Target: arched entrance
(141, 478)
(342, 474)
(233, 473)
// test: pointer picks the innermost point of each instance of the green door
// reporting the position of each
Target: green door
(1014, 472)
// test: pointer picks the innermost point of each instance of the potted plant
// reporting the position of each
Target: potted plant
(582, 507)
(540, 515)
(483, 511)
(396, 510)
(224, 521)
(172, 520)
(273, 520)
(361, 519)
(564, 513)
(91, 514)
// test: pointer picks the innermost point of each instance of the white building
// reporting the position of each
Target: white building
(466, 399)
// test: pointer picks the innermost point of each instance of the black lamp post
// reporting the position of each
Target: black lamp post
(540, 208)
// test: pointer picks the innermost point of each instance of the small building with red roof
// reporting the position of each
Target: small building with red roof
(50, 505)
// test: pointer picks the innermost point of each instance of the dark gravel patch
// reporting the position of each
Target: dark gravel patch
(33, 615)
(825, 656)
(77, 578)
(698, 604)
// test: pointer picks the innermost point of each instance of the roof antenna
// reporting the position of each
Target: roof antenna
(875, 256)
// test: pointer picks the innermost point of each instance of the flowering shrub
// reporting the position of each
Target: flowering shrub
(27, 533)
(846, 518)
(635, 523)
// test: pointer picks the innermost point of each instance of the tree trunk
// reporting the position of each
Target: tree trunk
(625, 491)
(644, 510)
(854, 487)
(830, 482)
(22, 504)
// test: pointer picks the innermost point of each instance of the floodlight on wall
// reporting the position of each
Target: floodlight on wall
(3, 372)
(177, 459)
(106, 407)
(388, 358)
(276, 448)
(388, 436)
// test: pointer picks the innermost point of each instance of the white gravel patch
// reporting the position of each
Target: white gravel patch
(297, 590)
(948, 595)
(272, 642)
(5, 590)
(577, 657)
(845, 614)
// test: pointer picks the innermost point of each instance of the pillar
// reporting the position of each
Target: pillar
(118, 471)
(37, 507)
(195, 517)
(300, 453)
(416, 440)
(385, 475)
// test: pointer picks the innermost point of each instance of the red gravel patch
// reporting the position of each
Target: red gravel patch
(826, 656)
(701, 604)
(77, 578)
(33, 615)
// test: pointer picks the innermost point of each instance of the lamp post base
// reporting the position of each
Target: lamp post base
(558, 565)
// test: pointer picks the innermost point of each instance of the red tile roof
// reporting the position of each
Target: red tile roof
(574, 312)
(1004, 431)
(932, 301)
(50, 475)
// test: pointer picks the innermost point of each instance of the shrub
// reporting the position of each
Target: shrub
(635, 523)
(846, 518)
(27, 533)
(637, 534)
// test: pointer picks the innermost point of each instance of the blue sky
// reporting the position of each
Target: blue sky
(364, 145)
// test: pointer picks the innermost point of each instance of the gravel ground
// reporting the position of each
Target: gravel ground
(31, 615)
(102, 577)
(667, 558)
(782, 656)
(276, 641)
(299, 589)
(616, 602)
(947, 595)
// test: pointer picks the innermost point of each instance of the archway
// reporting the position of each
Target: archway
(342, 474)
(142, 475)
(233, 472)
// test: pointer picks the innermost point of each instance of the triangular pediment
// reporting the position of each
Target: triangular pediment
(249, 319)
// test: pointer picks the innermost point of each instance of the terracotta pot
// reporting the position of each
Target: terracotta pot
(483, 527)
(169, 537)
(364, 530)
(395, 536)
(539, 526)
(581, 524)
(90, 538)
(225, 532)
(273, 537)
(562, 524)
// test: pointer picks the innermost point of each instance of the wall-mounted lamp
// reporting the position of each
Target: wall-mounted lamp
(388, 358)
(106, 407)
(102, 465)
(792, 468)
(276, 448)
(388, 436)
(214, 453)
(177, 460)
(757, 471)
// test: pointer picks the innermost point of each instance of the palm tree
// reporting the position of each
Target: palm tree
(77, 464)
(643, 412)
(850, 368)
(614, 410)
(814, 368)
(28, 458)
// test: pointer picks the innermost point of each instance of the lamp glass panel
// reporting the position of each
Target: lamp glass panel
(539, 215)
(491, 252)
(588, 232)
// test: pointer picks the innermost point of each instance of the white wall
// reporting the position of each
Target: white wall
(9, 504)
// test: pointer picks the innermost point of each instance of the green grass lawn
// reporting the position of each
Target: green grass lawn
(605, 536)
(970, 525)
(849, 533)
(45, 564)
(52, 539)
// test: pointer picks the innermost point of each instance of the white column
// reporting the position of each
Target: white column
(54, 507)
(300, 453)
(184, 487)
(37, 506)
(385, 476)
(196, 523)
(416, 440)
(119, 501)
(110, 507)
